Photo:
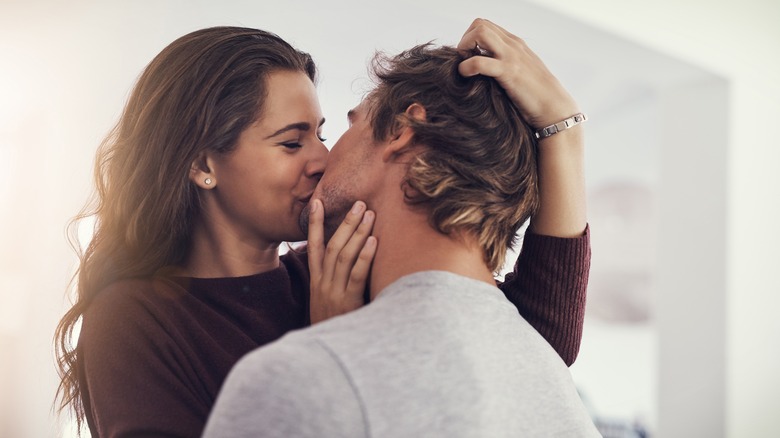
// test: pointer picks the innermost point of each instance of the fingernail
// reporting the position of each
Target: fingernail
(368, 217)
(315, 205)
(357, 207)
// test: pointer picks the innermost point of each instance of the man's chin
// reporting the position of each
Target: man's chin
(336, 209)
(330, 226)
(303, 220)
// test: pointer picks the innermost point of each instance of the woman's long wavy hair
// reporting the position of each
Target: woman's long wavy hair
(197, 95)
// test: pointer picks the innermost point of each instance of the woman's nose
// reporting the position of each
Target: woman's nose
(316, 165)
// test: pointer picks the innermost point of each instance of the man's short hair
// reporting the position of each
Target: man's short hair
(476, 168)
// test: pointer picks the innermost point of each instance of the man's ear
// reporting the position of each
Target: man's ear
(403, 137)
(201, 172)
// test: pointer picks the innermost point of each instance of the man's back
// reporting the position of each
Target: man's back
(436, 354)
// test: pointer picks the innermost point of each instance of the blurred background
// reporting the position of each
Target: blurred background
(682, 154)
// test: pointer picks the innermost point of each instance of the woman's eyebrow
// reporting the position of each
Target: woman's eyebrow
(300, 126)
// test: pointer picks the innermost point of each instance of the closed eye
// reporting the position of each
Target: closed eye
(292, 145)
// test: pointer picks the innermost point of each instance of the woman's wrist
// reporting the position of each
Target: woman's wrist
(567, 142)
(558, 127)
(555, 114)
(556, 104)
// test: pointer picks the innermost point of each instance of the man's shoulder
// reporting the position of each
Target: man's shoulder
(297, 345)
(320, 353)
(292, 387)
(304, 353)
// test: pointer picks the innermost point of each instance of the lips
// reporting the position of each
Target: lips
(306, 199)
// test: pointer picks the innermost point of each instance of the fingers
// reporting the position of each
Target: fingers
(341, 237)
(316, 238)
(489, 36)
(348, 256)
(339, 271)
(481, 65)
(501, 50)
(533, 89)
(358, 277)
(478, 35)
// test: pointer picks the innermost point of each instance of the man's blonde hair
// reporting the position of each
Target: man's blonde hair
(475, 171)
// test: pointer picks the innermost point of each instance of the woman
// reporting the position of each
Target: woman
(205, 174)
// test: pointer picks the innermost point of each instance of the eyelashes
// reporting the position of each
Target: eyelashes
(297, 145)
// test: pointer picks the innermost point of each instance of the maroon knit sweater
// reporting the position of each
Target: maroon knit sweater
(153, 353)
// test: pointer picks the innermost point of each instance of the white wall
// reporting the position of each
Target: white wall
(739, 40)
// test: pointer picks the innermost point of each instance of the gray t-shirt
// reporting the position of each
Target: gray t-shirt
(434, 355)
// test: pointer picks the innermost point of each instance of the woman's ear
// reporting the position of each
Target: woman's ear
(201, 172)
(403, 137)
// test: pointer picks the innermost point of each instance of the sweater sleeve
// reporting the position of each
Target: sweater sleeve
(548, 286)
(131, 373)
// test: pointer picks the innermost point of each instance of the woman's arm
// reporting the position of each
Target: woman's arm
(548, 286)
(549, 281)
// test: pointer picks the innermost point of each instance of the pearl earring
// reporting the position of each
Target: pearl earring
(207, 181)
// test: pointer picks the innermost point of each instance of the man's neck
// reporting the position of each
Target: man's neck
(408, 244)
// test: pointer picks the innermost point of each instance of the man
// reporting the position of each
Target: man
(449, 166)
